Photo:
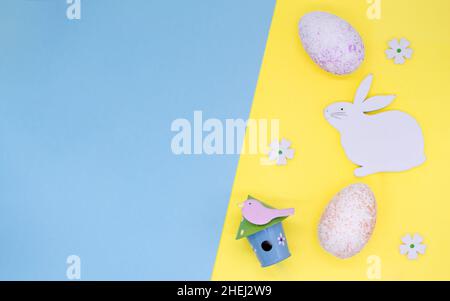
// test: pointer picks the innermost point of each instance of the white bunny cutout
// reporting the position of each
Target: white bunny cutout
(389, 141)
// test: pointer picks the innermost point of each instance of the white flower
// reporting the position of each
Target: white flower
(412, 246)
(281, 239)
(280, 152)
(399, 50)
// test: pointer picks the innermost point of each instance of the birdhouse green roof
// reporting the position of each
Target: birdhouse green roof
(246, 228)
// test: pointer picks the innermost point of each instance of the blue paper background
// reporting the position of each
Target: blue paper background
(86, 106)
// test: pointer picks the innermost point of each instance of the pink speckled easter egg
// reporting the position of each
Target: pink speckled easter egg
(331, 42)
(348, 221)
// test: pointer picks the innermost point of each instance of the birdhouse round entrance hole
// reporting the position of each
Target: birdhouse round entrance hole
(266, 245)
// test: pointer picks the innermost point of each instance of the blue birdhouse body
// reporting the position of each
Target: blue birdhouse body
(268, 240)
(270, 245)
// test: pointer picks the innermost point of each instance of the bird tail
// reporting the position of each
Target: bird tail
(287, 212)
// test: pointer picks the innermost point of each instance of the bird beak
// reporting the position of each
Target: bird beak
(241, 205)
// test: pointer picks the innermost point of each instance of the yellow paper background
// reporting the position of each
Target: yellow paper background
(294, 90)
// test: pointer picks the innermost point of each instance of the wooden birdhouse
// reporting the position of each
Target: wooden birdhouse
(262, 226)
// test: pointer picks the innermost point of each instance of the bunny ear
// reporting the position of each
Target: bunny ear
(377, 102)
(363, 90)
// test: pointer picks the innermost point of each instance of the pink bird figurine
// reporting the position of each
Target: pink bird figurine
(256, 213)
